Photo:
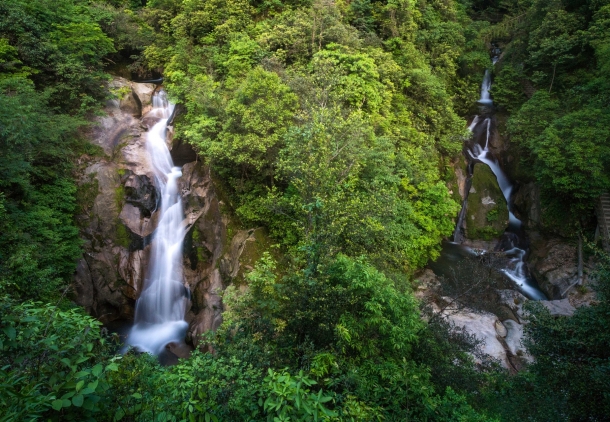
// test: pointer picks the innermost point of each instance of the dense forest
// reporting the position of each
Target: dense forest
(333, 124)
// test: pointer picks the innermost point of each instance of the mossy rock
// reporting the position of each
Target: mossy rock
(487, 213)
(458, 166)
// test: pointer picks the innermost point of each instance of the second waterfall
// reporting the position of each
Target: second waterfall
(160, 309)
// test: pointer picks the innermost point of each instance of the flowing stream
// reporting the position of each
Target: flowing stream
(512, 241)
(160, 309)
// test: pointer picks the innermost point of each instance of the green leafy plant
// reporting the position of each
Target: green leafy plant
(289, 398)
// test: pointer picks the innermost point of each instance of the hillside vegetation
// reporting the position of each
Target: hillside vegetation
(333, 124)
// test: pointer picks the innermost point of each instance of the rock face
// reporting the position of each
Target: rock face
(487, 213)
(514, 343)
(527, 205)
(561, 307)
(485, 327)
(120, 216)
(554, 264)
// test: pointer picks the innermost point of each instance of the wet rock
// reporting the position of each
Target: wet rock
(554, 264)
(132, 269)
(141, 192)
(480, 245)
(113, 229)
(180, 349)
(181, 152)
(119, 224)
(527, 205)
(210, 316)
(559, 307)
(487, 213)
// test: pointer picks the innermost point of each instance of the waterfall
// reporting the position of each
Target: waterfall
(515, 269)
(160, 309)
(485, 87)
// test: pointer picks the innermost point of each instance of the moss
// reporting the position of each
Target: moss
(452, 178)
(121, 92)
(253, 252)
(86, 193)
(485, 221)
(492, 215)
(122, 235)
(119, 196)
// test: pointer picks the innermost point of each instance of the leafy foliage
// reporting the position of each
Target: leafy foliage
(552, 79)
(51, 366)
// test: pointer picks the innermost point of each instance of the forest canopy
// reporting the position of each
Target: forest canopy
(333, 125)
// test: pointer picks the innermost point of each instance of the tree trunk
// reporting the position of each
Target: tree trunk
(580, 259)
(553, 78)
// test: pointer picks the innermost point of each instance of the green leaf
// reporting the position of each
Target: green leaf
(136, 395)
(88, 404)
(97, 370)
(77, 400)
(112, 367)
(10, 332)
(79, 385)
(81, 374)
(93, 385)
(119, 414)
(66, 403)
(57, 404)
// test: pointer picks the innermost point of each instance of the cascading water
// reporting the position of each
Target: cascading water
(160, 309)
(510, 242)
(485, 87)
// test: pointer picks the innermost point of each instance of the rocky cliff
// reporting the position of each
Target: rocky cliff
(119, 216)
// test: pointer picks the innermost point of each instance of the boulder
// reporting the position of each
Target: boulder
(512, 301)
(143, 94)
(483, 327)
(125, 100)
(500, 329)
(554, 264)
(487, 212)
(559, 307)
(514, 340)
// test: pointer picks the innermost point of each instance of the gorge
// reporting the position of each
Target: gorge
(295, 210)
(513, 241)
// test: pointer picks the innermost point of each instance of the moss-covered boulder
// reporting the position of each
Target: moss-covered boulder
(487, 213)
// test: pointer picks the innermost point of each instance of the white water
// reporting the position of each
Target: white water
(160, 309)
(485, 87)
(515, 270)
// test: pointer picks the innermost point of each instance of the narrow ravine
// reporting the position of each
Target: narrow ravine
(513, 242)
(160, 309)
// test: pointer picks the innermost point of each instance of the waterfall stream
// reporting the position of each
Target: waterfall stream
(512, 241)
(160, 309)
